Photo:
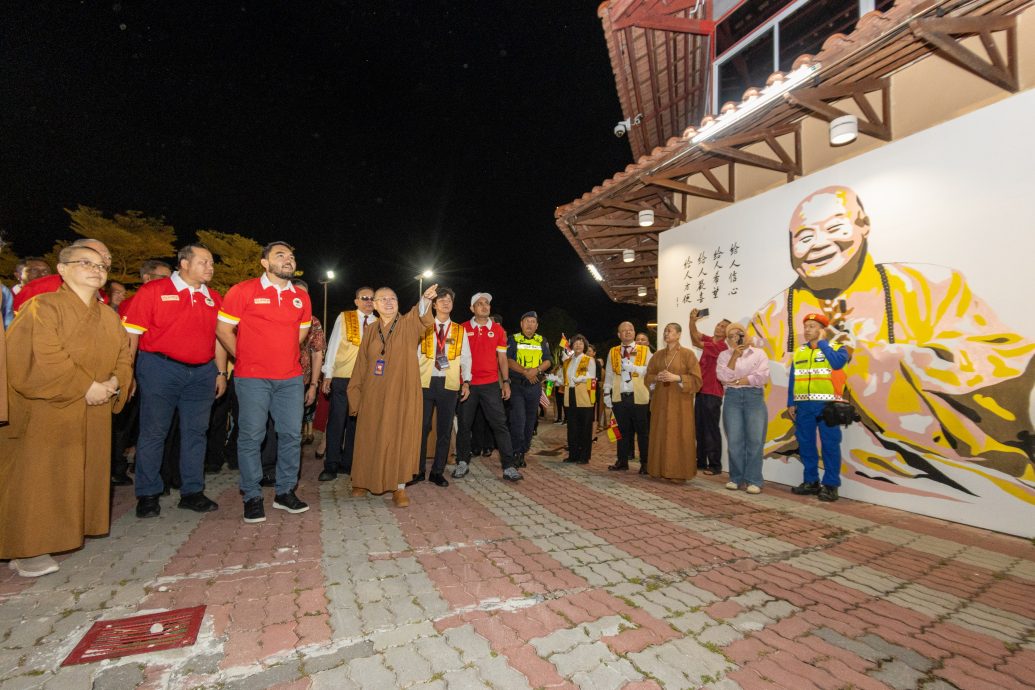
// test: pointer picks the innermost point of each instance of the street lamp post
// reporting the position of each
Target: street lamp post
(329, 277)
(427, 273)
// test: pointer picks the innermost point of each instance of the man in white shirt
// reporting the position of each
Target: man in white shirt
(445, 373)
(342, 349)
(626, 394)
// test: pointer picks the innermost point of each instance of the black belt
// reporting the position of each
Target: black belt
(167, 357)
(627, 395)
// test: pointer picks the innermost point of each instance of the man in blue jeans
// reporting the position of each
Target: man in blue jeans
(528, 357)
(179, 368)
(262, 323)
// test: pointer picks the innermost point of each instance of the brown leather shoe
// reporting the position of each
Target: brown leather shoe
(400, 498)
(358, 492)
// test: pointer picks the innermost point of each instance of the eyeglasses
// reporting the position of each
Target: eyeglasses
(89, 265)
(387, 299)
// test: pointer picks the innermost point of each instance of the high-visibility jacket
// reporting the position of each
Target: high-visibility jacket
(816, 375)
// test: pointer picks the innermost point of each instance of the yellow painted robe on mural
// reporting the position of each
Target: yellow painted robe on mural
(55, 456)
(950, 396)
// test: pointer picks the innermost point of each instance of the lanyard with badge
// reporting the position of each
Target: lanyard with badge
(379, 365)
(441, 340)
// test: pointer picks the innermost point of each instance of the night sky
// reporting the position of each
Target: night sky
(379, 137)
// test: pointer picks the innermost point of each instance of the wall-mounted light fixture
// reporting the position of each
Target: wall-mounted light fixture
(641, 291)
(844, 130)
(646, 217)
(595, 273)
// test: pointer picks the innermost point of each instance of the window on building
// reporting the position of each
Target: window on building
(751, 65)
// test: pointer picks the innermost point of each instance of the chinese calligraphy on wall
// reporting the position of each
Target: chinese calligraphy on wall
(710, 274)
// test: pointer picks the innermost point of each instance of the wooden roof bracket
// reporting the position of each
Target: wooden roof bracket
(816, 101)
(943, 33)
(783, 162)
(719, 192)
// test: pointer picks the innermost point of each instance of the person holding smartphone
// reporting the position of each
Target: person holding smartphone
(708, 406)
(744, 371)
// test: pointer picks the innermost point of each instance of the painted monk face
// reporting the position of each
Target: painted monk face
(828, 233)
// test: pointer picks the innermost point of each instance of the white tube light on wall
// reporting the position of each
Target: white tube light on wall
(595, 273)
(765, 97)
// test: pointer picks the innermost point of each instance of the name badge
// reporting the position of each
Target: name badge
(442, 361)
(379, 367)
(262, 300)
(170, 298)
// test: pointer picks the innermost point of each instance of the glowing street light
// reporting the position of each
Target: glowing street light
(426, 273)
(328, 277)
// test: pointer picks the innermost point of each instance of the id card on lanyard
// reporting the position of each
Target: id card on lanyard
(379, 364)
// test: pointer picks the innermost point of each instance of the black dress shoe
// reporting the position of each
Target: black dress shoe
(267, 481)
(582, 462)
(438, 480)
(327, 476)
(417, 479)
(487, 452)
(643, 468)
(120, 480)
(212, 470)
(619, 466)
(569, 459)
(519, 460)
(319, 456)
(148, 507)
(806, 489)
(199, 503)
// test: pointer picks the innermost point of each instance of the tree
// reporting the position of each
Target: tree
(555, 321)
(131, 237)
(8, 260)
(237, 258)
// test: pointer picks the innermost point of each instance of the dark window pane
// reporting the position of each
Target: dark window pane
(743, 20)
(883, 5)
(806, 28)
(749, 66)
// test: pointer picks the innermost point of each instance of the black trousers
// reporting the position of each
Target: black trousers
(707, 413)
(219, 429)
(125, 426)
(632, 418)
(339, 426)
(580, 431)
(558, 395)
(487, 397)
(437, 398)
(481, 434)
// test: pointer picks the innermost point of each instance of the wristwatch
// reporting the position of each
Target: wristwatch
(222, 373)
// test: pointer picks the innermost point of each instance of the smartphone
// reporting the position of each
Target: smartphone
(740, 339)
(701, 313)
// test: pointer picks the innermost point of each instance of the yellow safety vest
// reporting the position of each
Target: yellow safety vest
(814, 378)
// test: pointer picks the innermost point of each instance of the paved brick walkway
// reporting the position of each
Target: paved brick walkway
(575, 577)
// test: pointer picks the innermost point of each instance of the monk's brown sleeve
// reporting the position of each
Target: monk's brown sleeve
(39, 368)
(692, 381)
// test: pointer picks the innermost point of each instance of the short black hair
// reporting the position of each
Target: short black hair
(149, 266)
(445, 292)
(361, 289)
(276, 243)
(186, 252)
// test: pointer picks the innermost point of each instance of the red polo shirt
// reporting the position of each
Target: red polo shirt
(173, 320)
(42, 286)
(485, 342)
(710, 350)
(268, 323)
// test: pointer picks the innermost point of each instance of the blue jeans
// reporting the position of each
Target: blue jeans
(524, 408)
(744, 418)
(257, 400)
(808, 420)
(165, 387)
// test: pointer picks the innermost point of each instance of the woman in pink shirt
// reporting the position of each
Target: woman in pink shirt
(744, 371)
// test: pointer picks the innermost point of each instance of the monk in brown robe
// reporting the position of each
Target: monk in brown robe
(675, 376)
(69, 368)
(385, 393)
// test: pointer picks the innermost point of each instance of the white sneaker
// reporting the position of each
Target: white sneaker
(34, 567)
(732, 486)
(461, 470)
(752, 489)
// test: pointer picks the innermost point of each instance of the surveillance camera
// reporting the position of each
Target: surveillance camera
(638, 119)
(622, 128)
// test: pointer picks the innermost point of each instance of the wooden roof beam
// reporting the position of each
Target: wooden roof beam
(613, 203)
(783, 161)
(944, 33)
(815, 101)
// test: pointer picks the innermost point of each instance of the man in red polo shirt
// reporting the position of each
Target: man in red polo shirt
(488, 344)
(51, 283)
(708, 404)
(179, 367)
(262, 323)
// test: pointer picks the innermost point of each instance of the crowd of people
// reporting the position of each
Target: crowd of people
(185, 379)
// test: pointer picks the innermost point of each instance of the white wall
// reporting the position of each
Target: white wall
(958, 195)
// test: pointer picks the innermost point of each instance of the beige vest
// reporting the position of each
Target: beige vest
(581, 389)
(348, 347)
(454, 346)
(641, 396)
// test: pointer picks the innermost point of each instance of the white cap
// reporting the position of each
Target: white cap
(478, 295)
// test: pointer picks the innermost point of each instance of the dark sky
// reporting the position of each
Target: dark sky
(380, 137)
